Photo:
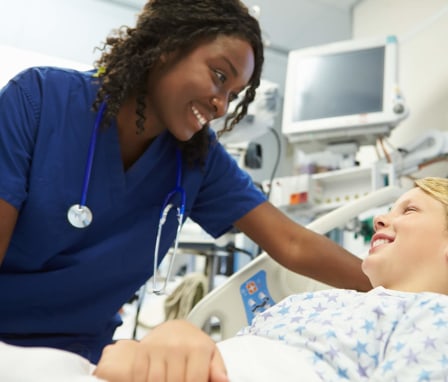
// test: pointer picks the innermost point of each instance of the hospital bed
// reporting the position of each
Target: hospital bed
(263, 282)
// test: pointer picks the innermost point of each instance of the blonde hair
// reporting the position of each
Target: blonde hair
(437, 188)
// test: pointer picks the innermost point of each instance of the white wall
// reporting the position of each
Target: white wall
(422, 30)
(68, 29)
(71, 29)
(20, 59)
(295, 24)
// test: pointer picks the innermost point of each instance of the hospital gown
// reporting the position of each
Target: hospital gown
(382, 335)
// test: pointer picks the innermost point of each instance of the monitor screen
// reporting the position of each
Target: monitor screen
(338, 85)
(346, 91)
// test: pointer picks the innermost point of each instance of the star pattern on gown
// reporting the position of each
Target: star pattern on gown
(349, 335)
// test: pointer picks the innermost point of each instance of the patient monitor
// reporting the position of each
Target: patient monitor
(342, 92)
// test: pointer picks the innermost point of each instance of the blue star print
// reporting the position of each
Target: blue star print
(349, 335)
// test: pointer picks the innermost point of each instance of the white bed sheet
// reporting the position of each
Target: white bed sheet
(258, 359)
(248, 359)
(38, 364)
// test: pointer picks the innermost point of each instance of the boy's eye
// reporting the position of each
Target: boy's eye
(409, 209)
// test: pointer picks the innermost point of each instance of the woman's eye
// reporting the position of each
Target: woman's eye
(221, 76)
(410, 209)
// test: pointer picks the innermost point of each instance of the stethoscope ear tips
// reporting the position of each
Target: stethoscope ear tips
(79, 216)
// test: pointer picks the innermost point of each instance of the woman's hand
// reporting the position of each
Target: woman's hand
(175, 351)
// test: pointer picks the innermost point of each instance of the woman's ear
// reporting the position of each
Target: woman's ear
(166, 57)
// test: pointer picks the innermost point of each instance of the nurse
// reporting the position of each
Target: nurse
(109, 138)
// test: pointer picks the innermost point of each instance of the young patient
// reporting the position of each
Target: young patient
(398, 331)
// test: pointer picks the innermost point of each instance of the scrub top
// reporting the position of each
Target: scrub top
(62, 286)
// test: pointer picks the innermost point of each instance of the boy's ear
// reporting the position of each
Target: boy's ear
(446, 250)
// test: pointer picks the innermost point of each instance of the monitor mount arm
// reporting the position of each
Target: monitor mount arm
(408, 158)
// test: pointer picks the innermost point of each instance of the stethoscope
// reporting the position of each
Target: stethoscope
(80, 215)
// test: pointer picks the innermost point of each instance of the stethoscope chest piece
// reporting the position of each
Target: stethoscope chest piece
(79, 216)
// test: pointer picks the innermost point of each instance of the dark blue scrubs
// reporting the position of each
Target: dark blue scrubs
(62, 286)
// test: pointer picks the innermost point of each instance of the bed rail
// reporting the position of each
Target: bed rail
(230, 302)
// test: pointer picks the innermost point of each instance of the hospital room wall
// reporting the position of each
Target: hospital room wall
(71, 29)
(62, 29)
(422, 29)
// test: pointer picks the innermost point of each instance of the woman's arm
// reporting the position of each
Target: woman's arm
(8, 218)
(302, 250)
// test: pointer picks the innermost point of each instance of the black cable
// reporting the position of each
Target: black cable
(277, 160)
(232, 249)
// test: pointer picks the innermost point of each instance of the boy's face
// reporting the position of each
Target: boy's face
(409, 250)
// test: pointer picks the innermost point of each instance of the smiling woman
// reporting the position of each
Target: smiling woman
(132, 138)
(174, 46)
(217, 71)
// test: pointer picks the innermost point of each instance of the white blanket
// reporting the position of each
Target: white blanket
(247, 358)
(37, 364)
(257, 359)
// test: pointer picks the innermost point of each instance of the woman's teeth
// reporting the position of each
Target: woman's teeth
(199, 116)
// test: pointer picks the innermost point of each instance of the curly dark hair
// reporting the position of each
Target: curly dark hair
(165, 26)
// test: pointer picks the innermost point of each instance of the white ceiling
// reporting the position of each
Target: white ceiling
(290, 24)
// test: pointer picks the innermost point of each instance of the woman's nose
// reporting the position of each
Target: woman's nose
(220, 105)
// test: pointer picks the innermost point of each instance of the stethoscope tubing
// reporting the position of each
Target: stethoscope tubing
(91, 155)
(80, 215)
(166, 207)
(177, 189)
